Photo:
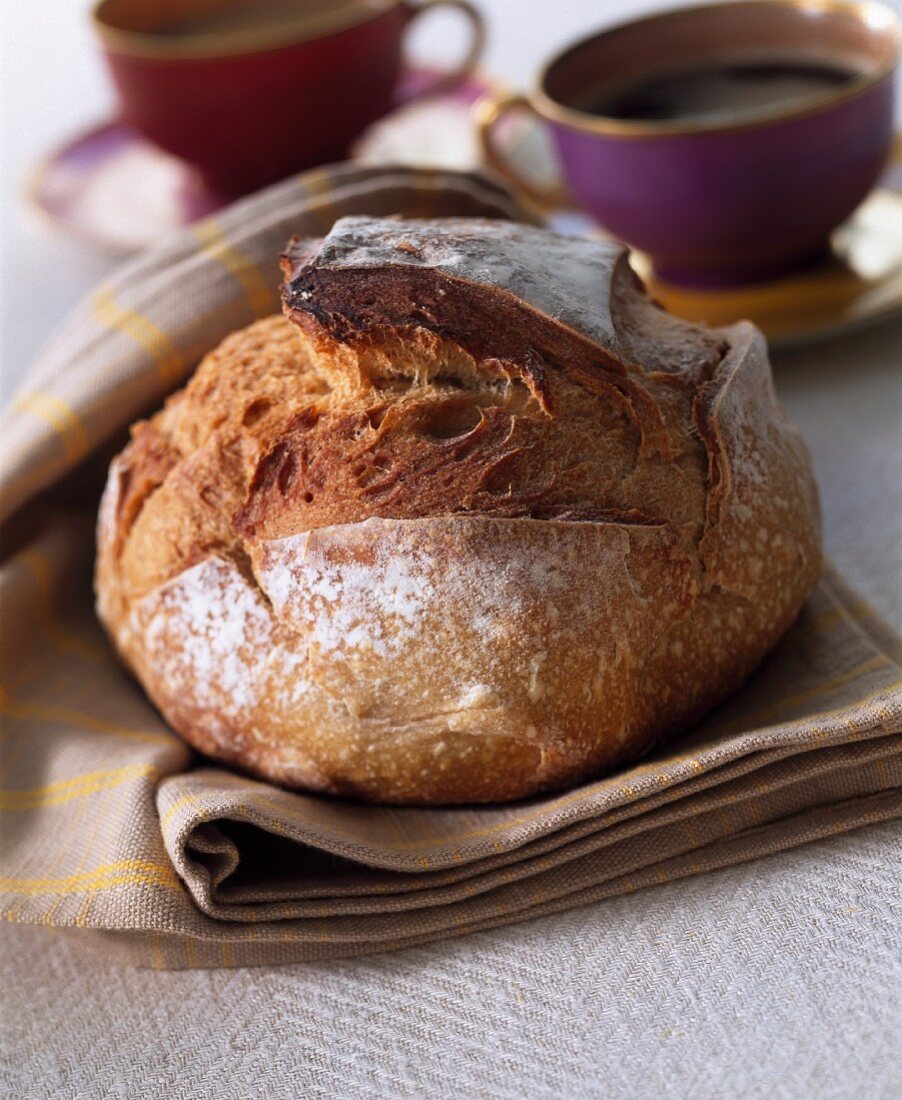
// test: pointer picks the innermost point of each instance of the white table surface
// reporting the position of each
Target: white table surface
(458, 1019)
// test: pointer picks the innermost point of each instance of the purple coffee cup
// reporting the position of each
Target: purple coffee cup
(738, 198)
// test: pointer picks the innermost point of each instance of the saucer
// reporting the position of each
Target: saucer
(115, 192)
(858, 285)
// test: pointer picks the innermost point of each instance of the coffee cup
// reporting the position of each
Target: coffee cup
(737, 191)
(251, 92)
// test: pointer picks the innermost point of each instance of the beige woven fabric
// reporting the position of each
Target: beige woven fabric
(109, 825)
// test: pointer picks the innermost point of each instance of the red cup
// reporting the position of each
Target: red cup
(250, 99)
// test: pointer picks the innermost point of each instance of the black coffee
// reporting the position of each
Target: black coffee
(709, 90)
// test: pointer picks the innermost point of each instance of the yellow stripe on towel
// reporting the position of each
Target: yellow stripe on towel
(260, 295)
(111, 315)
(60, 418)
(124, 872)
(67, 716)
(65, 790)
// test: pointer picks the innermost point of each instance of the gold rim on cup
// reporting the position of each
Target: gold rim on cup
(326, 18)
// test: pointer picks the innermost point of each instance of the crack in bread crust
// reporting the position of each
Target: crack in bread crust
(474, 518)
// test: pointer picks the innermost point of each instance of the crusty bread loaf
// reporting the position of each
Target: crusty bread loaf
(474, 519)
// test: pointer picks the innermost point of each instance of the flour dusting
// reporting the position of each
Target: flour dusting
(211, 640)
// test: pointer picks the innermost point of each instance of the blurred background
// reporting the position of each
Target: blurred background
(54, 87)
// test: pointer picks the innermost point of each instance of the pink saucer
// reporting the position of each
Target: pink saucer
(113, 190)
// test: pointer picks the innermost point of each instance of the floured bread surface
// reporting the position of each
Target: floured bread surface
(473, 519)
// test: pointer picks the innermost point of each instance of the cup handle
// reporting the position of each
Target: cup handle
(488, 111)
(451, 80)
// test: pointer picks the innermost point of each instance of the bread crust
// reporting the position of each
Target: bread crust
(475, 519)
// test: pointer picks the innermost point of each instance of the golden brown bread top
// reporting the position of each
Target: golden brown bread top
(431, 368)
(474, 519)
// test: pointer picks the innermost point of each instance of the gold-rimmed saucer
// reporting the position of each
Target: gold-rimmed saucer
(858, 285)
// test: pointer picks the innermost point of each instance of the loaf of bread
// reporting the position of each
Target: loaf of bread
(474, 519)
